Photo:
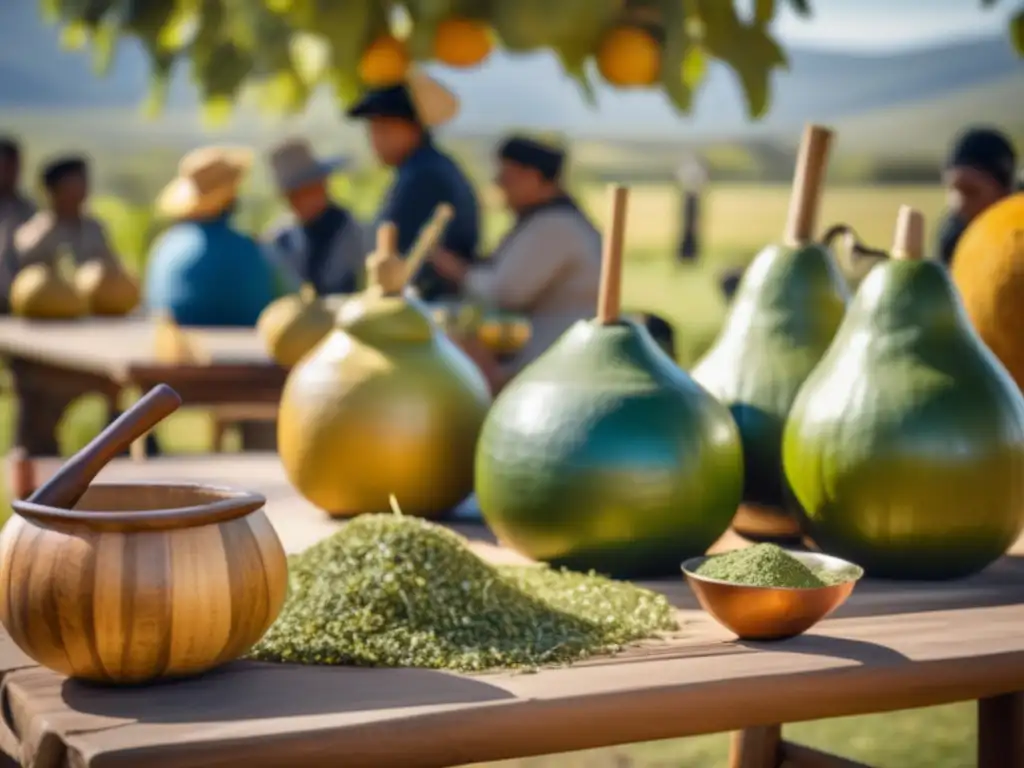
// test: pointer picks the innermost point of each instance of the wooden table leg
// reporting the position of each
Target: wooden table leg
(1001, 731)
(756, 747)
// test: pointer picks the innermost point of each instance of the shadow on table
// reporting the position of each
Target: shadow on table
(833, 647)
(255, 691)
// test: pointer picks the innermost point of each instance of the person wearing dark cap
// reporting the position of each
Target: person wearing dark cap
(15, 210)
(400, 120)
(548, 266)
(980, 171)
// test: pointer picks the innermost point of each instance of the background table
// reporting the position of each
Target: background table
(107, 356)
(892, 646)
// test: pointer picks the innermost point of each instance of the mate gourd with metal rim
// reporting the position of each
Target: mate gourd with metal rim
(602, 454)
(386, 405)
(787, 309)
(905, 446)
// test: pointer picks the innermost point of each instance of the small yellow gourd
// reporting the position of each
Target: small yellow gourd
(292, 325)
(107, 289)
(40, 292)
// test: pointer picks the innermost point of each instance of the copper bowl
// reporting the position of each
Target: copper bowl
(772, 613)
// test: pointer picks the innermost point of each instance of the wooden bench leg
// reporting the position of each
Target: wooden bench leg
(1001, 731)
(756, 747)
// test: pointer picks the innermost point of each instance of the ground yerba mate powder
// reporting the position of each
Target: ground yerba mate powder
(396, 591)
(767, 565)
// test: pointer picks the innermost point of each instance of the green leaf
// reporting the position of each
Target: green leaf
(1017, 32)
(74, 37)
(104, 46)
(694, 67)
(575, 66)
(764, 11)
(676, 65)
(311, 57)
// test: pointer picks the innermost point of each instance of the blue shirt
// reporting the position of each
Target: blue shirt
(207, 273)
(426, 179)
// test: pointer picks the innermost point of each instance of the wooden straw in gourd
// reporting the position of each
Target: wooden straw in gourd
(386, 268)
(609, 299)
(430, 235)
(908, 242)
(807, 183)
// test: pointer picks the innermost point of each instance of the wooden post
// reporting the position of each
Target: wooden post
(908, 242)
(1001, 731)
(759, 747)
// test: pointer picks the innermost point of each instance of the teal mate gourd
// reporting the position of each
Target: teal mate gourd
(603, 455)
(789, 305)
(905, 446)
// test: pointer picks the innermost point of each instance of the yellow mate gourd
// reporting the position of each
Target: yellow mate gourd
(106, 288)
(385, 405)
(988, 269)
(292, 325)
(40, 292)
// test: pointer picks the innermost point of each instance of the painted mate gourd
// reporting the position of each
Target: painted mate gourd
(788, 307)
(385, 405)
(905, 446)
(603, 454)
(292, 325)
(988, 269)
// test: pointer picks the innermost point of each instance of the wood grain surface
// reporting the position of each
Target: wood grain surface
(891, 646)
(168, 581)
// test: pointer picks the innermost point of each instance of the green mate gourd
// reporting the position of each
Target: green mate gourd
(385, 405)
(602, 454)
(789, 305)
(905, 446)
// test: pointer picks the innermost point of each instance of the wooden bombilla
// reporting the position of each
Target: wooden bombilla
(67, 485)
(385, 267)
(609, 298)
(430, 235)
(808, 180)
(908, 240)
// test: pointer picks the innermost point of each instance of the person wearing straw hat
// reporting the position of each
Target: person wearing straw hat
(401, 120)
(203, 271)
(322, 244)
(548, 266)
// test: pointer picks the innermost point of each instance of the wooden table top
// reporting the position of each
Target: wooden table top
(113, 347)
(892, 646)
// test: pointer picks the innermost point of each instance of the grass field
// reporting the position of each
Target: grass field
(739, 221)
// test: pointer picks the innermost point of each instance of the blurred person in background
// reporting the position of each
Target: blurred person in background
(64, 226)
(980, 171)
(547, 267)
(400, 121)
(321, 243)
(15, 210)
(202, 271)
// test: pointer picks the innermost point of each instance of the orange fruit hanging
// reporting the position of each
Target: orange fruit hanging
(462, 43)
(629, 57)
(384, 62)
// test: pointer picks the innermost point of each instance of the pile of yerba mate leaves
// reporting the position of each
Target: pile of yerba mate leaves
(394, 591)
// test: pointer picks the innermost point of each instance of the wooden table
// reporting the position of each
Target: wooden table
(891, 647)
(68, 359)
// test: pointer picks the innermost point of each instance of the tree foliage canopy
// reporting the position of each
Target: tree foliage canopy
(287, 49)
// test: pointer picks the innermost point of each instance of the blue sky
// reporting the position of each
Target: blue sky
(886, 25)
